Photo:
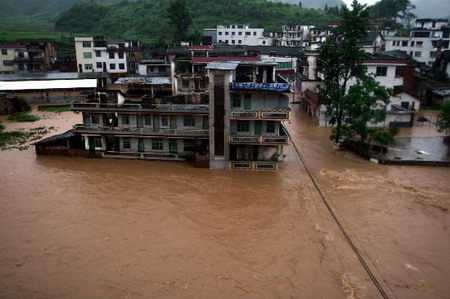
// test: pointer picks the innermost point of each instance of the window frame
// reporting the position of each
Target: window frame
(381, 71)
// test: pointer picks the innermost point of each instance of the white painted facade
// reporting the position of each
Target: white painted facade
(7, 56)
(84, 48)
(242, 35)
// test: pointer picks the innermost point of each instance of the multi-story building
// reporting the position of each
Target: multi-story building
(238, 35)
(8, 55)
(29, 57)
(248, 103)
(95, 54)
(293, 35)
(424, 41)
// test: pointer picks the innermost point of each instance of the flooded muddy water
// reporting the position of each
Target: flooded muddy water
(98, 228)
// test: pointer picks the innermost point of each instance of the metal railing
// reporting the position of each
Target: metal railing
(194, 108)
(263, 114)
(141, 131)
(253, 165)
(269, 140)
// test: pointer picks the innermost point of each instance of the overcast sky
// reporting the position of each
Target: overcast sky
(370, 2)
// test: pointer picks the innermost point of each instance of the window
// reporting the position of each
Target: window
(270, 127)
(87, 44)
(226, 41)
(432, 54)
(131, 54)
(98, 54)
(112, 66)
(126, 143)
(161, 69)
(189, 121)
(125, 119)
(236, 101)
(381, 71)
(164, 121)
(148, 120)
(412, 44)
(254, 33)
(95, 119)
(7, 63)
(220, 32)
(157, 144)
(185, 83)
(233, 33)
(264, 42)
(87, 55)
(248, 33)
(418, 54)
(121, 66)
(243, 126)
(239, 41)
(188, 145)
(404, 43)
(240, 33)
(4, 52)
(419, 44)
(98, 142)
(111, 55)
(99, 65)
(233, 41)
(121, 55)
(21, 55)
(226, 32)
(88, 66)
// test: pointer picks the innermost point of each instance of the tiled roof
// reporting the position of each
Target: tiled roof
(385, 60)
(224, 58)
(200, 47)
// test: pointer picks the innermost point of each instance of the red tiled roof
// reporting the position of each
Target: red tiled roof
(224, 58)
(12, 46)
(200, 47)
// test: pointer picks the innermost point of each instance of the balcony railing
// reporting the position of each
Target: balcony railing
(141, 131)
(144, 155)
(254, 165)
(261, 114)
(283, 87)
(259, 140)
(99, 107)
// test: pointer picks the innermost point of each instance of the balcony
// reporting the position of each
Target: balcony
(264, 114)
(282, 87)
(253, 165)
(168, 108)
(144, 156)
(281, 139)
(123, 131)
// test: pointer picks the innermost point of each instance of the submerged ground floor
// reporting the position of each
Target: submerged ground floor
(73, 227)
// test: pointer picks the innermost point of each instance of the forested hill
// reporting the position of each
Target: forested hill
(318, 4)
(45, 9)
(149, 19)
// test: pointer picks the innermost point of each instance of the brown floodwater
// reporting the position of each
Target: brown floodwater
(99, 228)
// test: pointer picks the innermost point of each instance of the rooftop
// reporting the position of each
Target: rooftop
(51, 76)
(224, 58)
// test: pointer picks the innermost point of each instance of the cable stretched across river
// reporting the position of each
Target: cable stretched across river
(341, 228)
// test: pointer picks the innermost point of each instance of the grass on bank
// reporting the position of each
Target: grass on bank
(22, 117)
(15, 139)
(56, 109)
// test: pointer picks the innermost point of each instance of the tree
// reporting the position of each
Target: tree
(340, 60)
(443, 122)
(326, 7)
(387, 11)
(179, 18)
(300, 4)
(352, 97)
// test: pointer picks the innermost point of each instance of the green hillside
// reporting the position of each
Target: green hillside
(148, 19)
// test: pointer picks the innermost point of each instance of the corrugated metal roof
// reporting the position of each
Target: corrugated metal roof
(144, 80)
(47, 84)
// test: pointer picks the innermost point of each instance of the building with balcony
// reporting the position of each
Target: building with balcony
(425, 41)
(237, 34)
(248, 103)
(8, 55)
(95, 54)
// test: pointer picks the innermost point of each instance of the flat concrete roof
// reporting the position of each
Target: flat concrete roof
(51, 76)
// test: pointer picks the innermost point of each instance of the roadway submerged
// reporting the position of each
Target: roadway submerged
(74, 227)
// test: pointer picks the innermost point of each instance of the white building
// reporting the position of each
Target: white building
(293, 35)
(423, 41)
(242, 35)
(8, 55)
(94, 54)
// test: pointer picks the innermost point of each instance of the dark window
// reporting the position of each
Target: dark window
(120, 55)
(226, 32)
(240, 33)
(148, 120)
(220, 32)
(161, 69)
(112, 66)
(243, 126)
(98, 141)
(157, 144)
(7, 63)
(404, 43)
(381, 71)
(126, 143)
(98, 54)
(121, 66)
(189, 121)
(270, 128)
(188, 145)
(99, 65)
(4, 52)
(95, 119)
(248, 33)
(21, 55)
(111, 55)
(254, 33)
(87, 44)
(236, 101)
(125, 119)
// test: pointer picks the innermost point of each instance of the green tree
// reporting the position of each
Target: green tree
(179, 18)
(340, 61)
(443, 122)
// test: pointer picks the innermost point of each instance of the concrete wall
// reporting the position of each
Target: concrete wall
(80, 50)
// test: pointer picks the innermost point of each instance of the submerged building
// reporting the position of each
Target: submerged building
(238, 125)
